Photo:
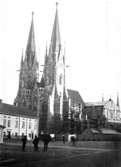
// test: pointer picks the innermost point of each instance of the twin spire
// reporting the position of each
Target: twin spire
(55, 39)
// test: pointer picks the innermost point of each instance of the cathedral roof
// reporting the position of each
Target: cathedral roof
(75, 97)
(12, 110)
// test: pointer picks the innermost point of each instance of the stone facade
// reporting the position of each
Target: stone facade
(28, 90)
(49, 97)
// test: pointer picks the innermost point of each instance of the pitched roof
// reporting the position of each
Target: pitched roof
(95, 104)
(99, 103)
(109, 131)
(8, 109)
(103, 131)
(75, 97)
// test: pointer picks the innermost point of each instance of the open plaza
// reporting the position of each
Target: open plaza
(86, 154)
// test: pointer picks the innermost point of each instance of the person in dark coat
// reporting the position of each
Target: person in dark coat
(63, 139)
(24, 140)
(73, 140)
(35, 142)
(46, 139)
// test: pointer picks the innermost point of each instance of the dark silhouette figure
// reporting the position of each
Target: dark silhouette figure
(73, 140)
(63, 139)
(46, 139)
(24, 140)
(9, 135)
(35, 142)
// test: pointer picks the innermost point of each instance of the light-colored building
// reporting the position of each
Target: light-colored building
(102, 113)
(18, 121)
(1, 133)
(112, 111)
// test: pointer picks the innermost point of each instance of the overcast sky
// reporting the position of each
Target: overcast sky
(90, 31)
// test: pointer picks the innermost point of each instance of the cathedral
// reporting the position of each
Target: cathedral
(49, 97)
(46, 104)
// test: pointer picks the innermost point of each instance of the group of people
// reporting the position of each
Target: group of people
(45, 138)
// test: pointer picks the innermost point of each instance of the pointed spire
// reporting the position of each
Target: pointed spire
(56, 5)
(55, 38)
(64, 68)
(31, 48)
(118, 100)
(22, 59)
(46, 51)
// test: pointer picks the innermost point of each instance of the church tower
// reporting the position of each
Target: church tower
(50, 98)
(28, 76)
(54, 70)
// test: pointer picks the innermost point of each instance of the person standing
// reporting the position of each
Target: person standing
(35, 142)
(63, 139)
(24, 140)
(73, 140)
(46, 139)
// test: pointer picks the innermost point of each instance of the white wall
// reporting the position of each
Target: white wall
(1, 135)
(20, 129)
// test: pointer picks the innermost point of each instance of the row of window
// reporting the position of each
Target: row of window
(27, 91)
(8, 124)
(23, 125)
(10, 135)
